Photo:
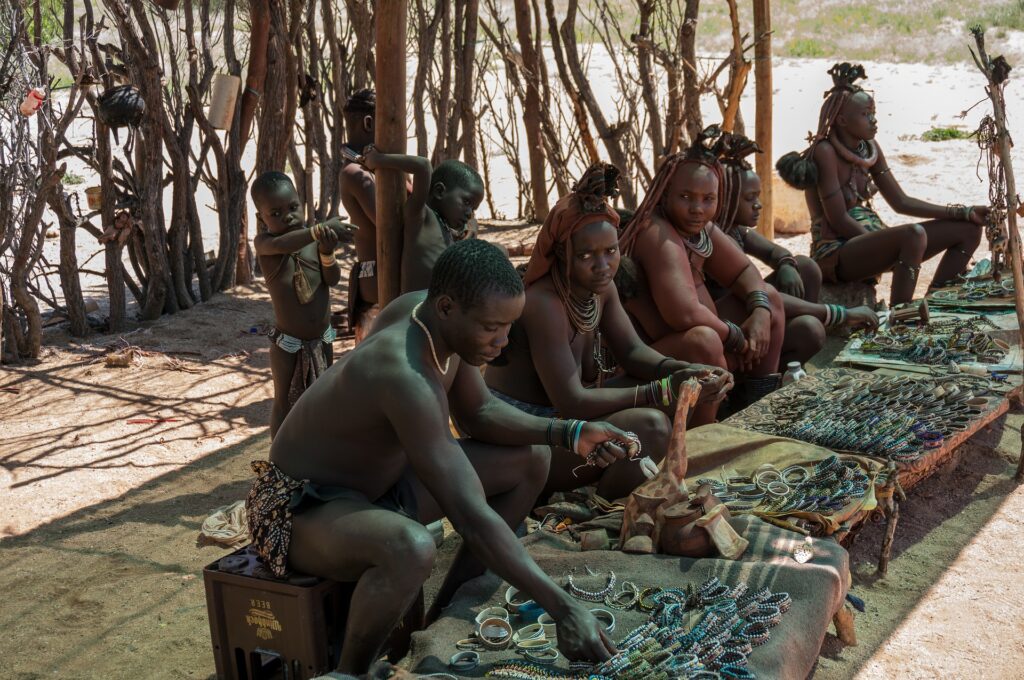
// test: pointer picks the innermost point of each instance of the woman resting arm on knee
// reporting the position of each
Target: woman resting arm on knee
(839, 173)
(571, 305)
(797, 278)
(674, 243)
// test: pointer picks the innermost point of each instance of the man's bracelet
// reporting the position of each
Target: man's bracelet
(735, 339)
(758, 298)
(835, 316)
(328, 260)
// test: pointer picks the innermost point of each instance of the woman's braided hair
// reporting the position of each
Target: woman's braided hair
(733, 150)
(704, 150)
(798, 169)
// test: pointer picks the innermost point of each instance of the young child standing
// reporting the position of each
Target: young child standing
(438, 211)
(299, 266)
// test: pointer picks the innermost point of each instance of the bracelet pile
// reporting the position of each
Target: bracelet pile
(938, 343)
(731, 622)
(835, 316)
(758, 298)
(899, 418)
(735, 339)
(958, 211)
(825, 487)
(570, 438)
(656, 393)
(973, 291)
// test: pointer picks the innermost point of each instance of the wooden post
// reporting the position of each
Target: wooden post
(1003, 146)
(390, 138)
(763, 111)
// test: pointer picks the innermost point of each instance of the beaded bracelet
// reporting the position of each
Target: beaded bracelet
(589, 595)
(642, 603)
(625, 598)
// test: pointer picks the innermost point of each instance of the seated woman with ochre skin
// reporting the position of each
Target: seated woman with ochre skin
(571, 304)
(840, 172)
(673, 244)
(797, 278)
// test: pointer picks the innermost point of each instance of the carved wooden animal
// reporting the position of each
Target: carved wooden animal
(645, 508)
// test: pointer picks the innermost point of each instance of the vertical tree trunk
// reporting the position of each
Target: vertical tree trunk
(334, 102)
(390, 138)
(586, 137)
(763, 107)
(361, 14)
(531, 109)
(688, 51)
(426, 39)
(277, 118)
(648, 84)
(611, 140)
(467, 90)
(444, 99)
(68, 267)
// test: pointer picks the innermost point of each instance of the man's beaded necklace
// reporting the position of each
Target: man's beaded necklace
(430, 340)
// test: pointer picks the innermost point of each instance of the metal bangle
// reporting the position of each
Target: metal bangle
(606, 618)
(464, 661)
(543, 656)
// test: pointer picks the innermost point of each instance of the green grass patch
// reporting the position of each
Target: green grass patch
(944, 134)
(804, 47)
(72, 178)
(1009, 15)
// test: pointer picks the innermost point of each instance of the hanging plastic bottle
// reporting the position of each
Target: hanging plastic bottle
(34, 99)
(794, 372)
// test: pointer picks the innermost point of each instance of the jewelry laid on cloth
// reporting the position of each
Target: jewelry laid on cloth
(464, 661)
(494, 633)
(705, 632)
(590, 595)
(899, 418)
(430, 341)
(826, 487)
(491, 613)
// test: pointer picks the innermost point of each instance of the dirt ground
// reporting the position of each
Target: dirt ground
(100, 568)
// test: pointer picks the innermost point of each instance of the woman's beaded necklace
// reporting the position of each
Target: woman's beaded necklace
(701, 244)
(430, 341)
(584, 313)
(862, 159)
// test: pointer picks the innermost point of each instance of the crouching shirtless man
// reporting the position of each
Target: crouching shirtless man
(366, 458)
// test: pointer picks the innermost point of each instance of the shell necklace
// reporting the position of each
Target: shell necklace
(430, 340)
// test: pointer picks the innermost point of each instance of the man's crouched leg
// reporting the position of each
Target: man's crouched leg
(389, 556)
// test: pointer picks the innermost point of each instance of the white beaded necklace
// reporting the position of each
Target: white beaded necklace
(430, 340)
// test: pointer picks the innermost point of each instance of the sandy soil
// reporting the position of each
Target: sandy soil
(100, 567)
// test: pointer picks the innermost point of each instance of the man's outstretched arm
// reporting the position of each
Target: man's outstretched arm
(411, 405)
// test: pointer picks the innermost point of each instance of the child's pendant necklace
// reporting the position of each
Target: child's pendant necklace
(447, 233)
(430, 340)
